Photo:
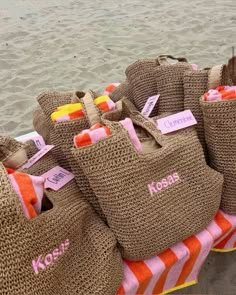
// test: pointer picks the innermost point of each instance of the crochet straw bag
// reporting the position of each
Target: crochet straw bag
(65, 250)
(62, 135)
(220, 134)
(123, 90)
(49, 101)
(40, 124)
(147, 220)
(196, 83)
(150, 77)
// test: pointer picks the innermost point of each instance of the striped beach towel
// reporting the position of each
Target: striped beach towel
(29, 189)
(75, 110)
(179, 266)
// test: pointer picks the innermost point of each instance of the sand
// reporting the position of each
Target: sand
(65, 45)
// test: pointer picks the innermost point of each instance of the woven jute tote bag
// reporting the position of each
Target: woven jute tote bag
(220, 134)
(149, 77)
(196, 83)
(49, 101)
(65, 250)
(151, 200)
(63, 136)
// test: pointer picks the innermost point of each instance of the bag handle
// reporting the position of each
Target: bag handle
(92, 112)
(163, 59)
(232, 69)
(215, 76)
(137, 118)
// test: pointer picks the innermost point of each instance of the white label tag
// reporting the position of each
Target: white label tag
(175, 122)
(149, 105)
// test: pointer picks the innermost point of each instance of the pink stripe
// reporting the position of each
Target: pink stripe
(223, 237)
(38, 184)
(17, 191)
(206, 241)
(111, 105)
(230, 218)
(97, 134)
(130, 282)
(214, 230)
(63, 118)
(157, 266)
(231, 242)
(128, 125)
(182, 252)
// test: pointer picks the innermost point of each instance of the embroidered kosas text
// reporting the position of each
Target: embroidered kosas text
(41, 263)
(156, 187)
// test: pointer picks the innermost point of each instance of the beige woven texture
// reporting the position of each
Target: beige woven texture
(146, 224)
(169, 79)
(62, 136)
(149, 77)
(140, 76)
(196, 83)
(48, 102)
(12, 152)
(92, 263)
(40, 124)
(123, 90)
(220, 133)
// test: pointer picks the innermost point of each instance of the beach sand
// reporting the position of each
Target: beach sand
(66, 45)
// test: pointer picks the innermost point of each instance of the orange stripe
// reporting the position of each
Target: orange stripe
(83, 139)
(223, 224)
(194, 247)
(76, 114)
(120, 291)
(104, 106)
(222, 244)
(169, 258)
(27, 192)
(142, 273)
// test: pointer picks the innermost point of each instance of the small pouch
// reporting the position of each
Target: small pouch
(68, 242)
(62, 135)
(150, 199)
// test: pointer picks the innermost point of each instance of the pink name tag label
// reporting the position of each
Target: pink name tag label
(43, 151)
(57, 177)
(149, 105)
(176, 122)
